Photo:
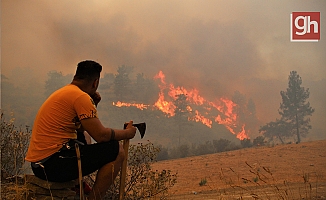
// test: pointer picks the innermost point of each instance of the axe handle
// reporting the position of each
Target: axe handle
(123, 172)
(80, 174)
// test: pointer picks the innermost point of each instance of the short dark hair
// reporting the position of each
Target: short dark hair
(88, 70)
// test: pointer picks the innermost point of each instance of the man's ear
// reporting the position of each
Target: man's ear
(96, 83)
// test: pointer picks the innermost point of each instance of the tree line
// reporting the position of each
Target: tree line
(294, 108)
(208, 147)
(293, 124)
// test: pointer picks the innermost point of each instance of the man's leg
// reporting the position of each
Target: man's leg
(105, 157)
(106, 175)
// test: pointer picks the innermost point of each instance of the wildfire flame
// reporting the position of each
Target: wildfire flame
(166, 103)
(137, 105)
(200, 118)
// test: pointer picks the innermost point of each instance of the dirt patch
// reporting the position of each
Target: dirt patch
(291, 170)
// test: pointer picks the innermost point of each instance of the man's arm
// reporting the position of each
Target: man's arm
(100, 133)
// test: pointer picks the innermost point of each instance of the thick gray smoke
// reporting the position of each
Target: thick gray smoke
(218, 47)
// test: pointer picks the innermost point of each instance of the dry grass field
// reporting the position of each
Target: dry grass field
(289, 171)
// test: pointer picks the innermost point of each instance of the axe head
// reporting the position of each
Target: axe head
(141, 128)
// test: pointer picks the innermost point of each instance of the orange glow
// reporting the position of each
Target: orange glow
(199, 118)
(160, 76)
(242, 135)
(137, 105)
(225, 107)
(165, 106)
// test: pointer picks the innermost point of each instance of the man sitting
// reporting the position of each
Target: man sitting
(70, 109)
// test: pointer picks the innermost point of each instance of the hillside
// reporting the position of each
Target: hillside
(295, 170)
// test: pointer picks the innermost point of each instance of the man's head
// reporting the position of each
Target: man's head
(88, 74)
(88, 70)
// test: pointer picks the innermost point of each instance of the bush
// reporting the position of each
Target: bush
(141, 181)
(180, 151)
(14, 144)
(203, 182)
(221, 145)
(183, 150)
(163, 154)
(259, 141)
(246, 143)
(206, 148)
(233, 146)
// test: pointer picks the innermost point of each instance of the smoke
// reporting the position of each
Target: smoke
(216, 46)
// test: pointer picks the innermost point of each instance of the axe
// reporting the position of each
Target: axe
(141, 128)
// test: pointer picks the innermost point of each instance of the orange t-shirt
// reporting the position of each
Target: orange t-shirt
(57, 120)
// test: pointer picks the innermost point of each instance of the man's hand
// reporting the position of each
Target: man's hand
(99, 133)
(96, 98)
(131, 130)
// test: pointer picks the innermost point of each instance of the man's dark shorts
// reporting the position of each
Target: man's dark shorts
(62, 166)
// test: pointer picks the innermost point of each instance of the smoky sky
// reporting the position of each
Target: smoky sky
(216, 46)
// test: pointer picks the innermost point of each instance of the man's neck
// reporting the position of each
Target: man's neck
(80, 85)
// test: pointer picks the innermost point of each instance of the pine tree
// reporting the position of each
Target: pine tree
(294, 109)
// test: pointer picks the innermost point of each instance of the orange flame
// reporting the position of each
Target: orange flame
(165, 106)
(200, 118)
(242, 135)
(137, 105)
(165, 103)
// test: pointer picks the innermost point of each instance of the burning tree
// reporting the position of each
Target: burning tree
(181, 112)
(187, 105)
(294, 111)
(246, 112)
